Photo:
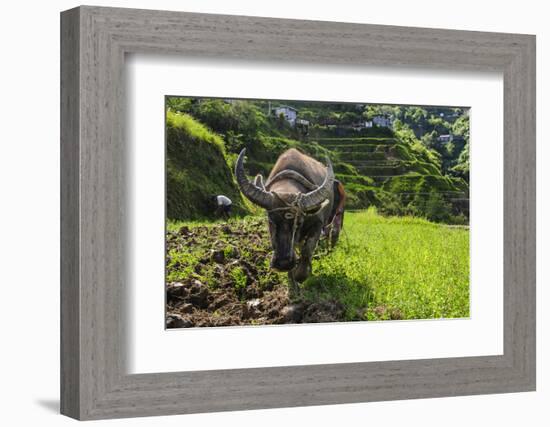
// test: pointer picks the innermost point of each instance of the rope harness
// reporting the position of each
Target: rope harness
(295, 209)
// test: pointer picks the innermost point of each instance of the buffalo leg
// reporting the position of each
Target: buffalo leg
(337, 225)
(294, 289)
(303, 270)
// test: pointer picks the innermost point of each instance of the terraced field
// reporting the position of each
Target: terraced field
(387, 167)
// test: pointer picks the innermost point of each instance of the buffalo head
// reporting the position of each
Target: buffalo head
(287, 209)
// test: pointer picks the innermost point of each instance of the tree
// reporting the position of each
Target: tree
(437, 209)
(429, 140)
(415, 115)
(178, 104)
(371, 111)
(307, 115)
(461, 127)
(349, 118)
(439, 125)
(462, 167)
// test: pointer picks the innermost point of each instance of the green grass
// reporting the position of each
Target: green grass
(398, 267)
(382, 267)
(196, 170)
(193, 128)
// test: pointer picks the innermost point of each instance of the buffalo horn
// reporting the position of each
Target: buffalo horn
(314, 199)
(256, 195)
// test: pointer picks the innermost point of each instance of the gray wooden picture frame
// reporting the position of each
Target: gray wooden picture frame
(94, 382)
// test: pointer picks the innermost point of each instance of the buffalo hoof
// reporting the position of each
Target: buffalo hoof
(293, 313)
(302, 272)
(294, 292)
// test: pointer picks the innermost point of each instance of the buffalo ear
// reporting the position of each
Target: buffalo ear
(259, 181)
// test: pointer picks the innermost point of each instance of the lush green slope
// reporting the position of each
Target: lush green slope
(390, 169)
(196, 170)
(397, 267)
(398, 176)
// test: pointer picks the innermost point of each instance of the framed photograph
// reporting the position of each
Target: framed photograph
(355, 240)
(261, 213)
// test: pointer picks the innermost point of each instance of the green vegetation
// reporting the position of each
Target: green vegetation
(397, 267)
(196, 170)
(397, 258)
(405, 170)
(382, 268)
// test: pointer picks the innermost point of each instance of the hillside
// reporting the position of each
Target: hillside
(196, 170)
(391, 169)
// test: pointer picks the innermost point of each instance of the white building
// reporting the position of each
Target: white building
(383, 121)
(445, 138)
(289, 113)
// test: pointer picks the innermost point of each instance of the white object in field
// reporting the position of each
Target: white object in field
(223, 200)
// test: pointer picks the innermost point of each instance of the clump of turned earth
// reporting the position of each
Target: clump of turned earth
(219, 275)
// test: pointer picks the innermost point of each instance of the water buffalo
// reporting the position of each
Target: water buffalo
(300, 199)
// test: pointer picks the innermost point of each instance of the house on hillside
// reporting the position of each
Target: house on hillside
(383, 121)
(359, 126)
(445, 138)
(289, 113)
(453, 115)
(302, 125)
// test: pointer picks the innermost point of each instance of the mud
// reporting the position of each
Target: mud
(224, 279)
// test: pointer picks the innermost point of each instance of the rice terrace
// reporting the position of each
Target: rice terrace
(304, 212)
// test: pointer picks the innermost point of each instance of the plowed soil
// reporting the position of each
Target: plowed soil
(219, 275)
